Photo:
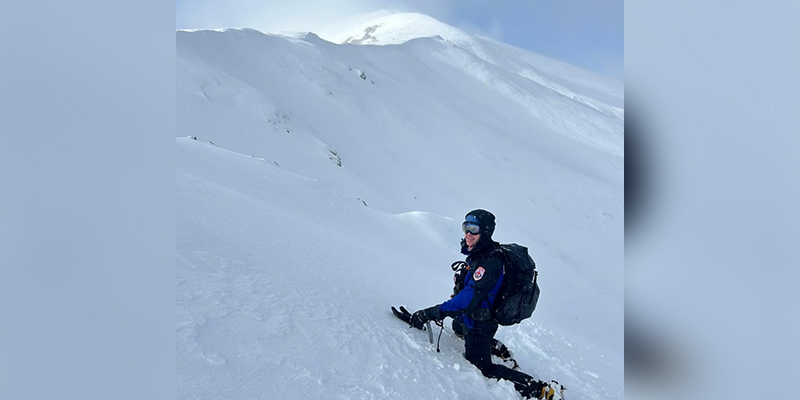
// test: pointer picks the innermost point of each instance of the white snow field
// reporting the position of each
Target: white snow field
(328, 181)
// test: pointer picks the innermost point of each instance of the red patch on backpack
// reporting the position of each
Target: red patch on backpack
(478, 274)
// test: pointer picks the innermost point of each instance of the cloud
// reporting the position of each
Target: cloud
(297, 15)
(264, 16)
(494, 30)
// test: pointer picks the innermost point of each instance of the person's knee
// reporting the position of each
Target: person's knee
(473, 358)
(482, 363)
(488, 369)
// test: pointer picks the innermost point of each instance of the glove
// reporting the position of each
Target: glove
(419, 318)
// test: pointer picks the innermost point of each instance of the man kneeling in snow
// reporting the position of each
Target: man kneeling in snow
(470, 307)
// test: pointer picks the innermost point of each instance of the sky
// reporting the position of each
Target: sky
(586, 33)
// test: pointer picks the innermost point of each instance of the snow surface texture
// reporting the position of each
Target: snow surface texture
(326, 182)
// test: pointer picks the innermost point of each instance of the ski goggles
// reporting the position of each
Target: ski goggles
(471, 227)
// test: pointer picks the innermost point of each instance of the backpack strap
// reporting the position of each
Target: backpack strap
(504, 259)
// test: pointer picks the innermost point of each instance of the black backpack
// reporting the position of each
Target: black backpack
(519, 292)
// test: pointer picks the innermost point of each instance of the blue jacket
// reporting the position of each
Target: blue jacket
(480, 286)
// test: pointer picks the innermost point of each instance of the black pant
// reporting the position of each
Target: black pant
(460, 330)
(478, 345)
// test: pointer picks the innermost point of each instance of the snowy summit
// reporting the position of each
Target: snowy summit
(391, 28)
(323, 178)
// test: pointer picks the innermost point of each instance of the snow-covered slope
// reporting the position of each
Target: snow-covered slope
(382, 28)
(328, 182)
